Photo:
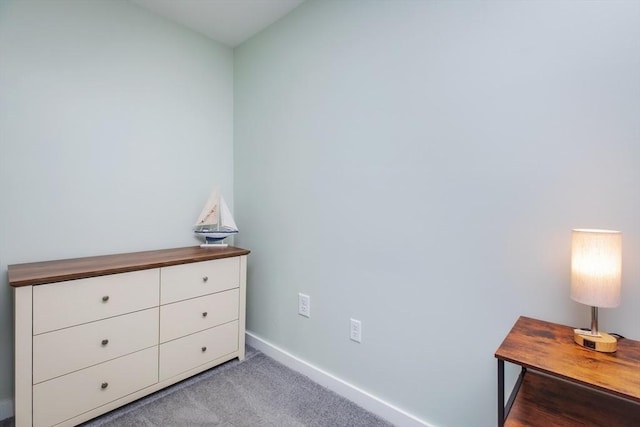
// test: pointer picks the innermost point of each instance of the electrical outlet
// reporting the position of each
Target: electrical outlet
(356, 330)
(304, 305)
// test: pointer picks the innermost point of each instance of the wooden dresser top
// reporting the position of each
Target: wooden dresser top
(39, 273)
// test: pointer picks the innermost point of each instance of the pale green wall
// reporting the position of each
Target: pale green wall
(419, 165)
(114, 126)
(479, 133)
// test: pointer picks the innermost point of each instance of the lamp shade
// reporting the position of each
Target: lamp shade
(596, 267)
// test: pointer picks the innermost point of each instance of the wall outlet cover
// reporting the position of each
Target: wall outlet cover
(356, 330)
(304, 305)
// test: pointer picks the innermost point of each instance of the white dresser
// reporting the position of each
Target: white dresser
(92, 334)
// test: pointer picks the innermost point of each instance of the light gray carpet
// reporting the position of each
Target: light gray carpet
(255, 392)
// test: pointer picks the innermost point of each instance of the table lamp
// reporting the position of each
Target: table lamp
(596, 266)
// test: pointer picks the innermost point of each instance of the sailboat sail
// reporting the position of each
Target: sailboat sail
(226, 220)
(211, 211)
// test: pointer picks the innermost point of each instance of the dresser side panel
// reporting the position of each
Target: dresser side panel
(23, 334)
(242, 304)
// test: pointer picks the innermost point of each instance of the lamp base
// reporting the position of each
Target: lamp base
(604, 343)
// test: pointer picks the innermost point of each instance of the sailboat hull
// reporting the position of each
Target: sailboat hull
(215, 238)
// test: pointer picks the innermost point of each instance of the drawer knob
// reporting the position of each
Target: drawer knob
(204, 349)
(105, 298)
(104, 385)
(204, 314)
(205, 278)
(105, 342)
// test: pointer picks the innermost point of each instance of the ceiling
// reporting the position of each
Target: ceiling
(229, 22)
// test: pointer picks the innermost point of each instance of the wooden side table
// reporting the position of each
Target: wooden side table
(563, 384)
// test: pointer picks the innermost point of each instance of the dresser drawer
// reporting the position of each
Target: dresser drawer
(194, 350)
(197, 314)
(66, 350)
(60, 305)
(65, 397)
(180, 282)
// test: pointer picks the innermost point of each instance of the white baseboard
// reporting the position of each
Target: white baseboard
(360, 397)
(6, 409)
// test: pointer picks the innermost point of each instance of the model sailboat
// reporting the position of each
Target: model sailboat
(215, 222)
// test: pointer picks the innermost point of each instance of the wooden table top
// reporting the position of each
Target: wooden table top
(39, 273)
(549, 348)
